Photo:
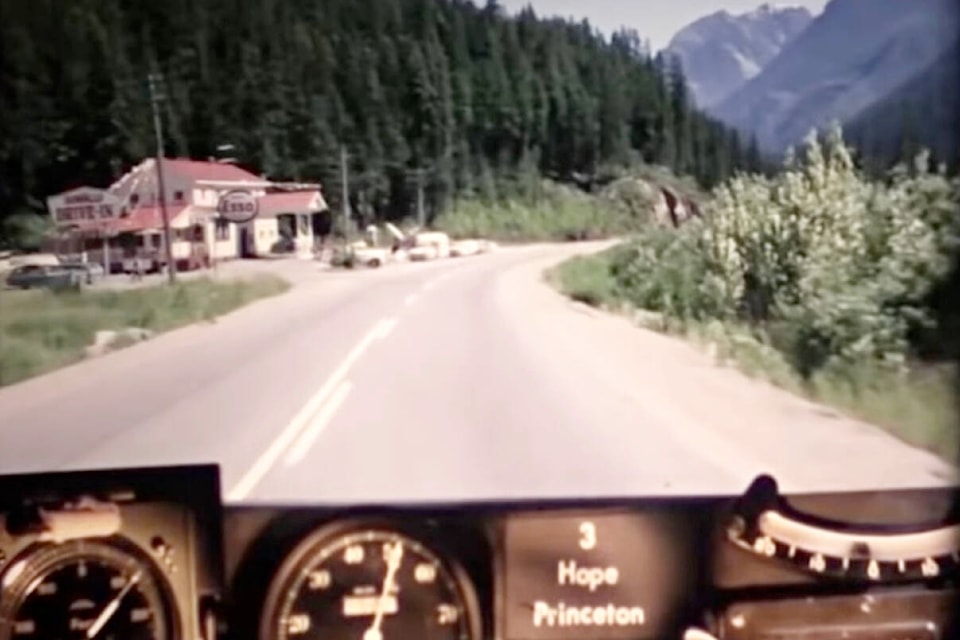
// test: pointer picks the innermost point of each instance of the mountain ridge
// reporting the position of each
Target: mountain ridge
(917, 113)
(824, 74)
(722, 51)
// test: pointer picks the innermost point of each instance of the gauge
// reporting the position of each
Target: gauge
(363, 583)
(769, 527)
(83, 590)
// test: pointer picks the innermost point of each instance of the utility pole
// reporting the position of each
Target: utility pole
(155, 98)
(345, 195)
(421, 213)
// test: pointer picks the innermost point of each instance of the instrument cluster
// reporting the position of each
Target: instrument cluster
(152, 554)
(129, 554)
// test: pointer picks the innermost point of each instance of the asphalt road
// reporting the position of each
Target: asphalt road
(460, 379)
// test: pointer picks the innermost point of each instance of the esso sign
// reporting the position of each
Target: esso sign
(237, 206)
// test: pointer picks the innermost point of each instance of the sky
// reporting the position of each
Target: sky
(657, 20)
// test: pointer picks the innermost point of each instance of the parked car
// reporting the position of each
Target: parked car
(89, 271)
(42, 276)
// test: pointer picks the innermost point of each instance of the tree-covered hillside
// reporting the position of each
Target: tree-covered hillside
(923, 113)
(464, 92)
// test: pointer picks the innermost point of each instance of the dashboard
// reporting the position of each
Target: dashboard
(153, 554)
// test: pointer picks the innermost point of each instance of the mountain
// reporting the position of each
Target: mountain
(721, 52)
(924, 111)
(854, 54)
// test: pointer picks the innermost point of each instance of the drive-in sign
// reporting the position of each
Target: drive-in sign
(238, 206)
(83, 205)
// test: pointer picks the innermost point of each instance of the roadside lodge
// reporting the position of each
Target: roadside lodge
(123, 224)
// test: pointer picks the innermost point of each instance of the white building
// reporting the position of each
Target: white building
(125, 220)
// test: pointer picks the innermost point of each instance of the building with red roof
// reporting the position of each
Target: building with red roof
(125, 221)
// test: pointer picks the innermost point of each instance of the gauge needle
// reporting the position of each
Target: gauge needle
(112, 607)
(393, 564)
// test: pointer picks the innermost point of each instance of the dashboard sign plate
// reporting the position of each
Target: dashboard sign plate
(610, 575)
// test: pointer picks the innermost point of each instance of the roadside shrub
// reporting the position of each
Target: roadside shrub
(833, 270)
(665, 270)
(550, 212)
(585, 280)
(817, 279)
(553, 212)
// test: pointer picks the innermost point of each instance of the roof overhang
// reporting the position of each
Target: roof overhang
(235, 184)
(296, 186)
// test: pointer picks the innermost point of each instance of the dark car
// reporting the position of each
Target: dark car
(36, 276)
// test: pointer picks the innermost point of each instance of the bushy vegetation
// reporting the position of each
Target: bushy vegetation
(526, 207)
(548, 211)
(838, 279)
(43, 330)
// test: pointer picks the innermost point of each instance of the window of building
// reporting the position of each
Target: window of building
(178, 196)
(134, 198)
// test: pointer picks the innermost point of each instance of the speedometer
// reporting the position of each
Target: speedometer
(368, 583)
(84, 590)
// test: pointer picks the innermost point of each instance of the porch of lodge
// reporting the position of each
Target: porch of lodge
(135, 243)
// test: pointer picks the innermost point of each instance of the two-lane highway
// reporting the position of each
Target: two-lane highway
(456, 379)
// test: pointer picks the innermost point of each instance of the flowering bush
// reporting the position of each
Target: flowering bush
(831, 268)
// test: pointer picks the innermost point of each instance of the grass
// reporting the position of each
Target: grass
(43, 330)
(920, 408)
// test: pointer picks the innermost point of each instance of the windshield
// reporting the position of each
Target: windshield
(395, 250)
